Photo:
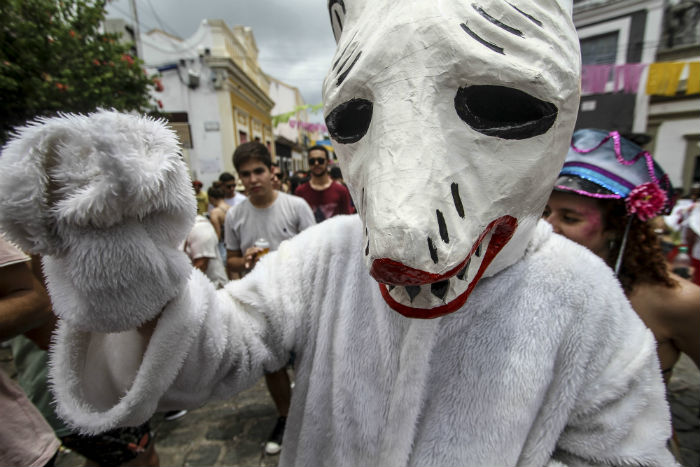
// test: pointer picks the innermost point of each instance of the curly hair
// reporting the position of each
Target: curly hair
(642, 262)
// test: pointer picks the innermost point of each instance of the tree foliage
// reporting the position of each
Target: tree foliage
(54, 58)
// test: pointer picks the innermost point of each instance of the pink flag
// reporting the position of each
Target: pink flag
(594, 78)
(628, 75)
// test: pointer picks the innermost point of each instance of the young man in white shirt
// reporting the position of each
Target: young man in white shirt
(272, 216)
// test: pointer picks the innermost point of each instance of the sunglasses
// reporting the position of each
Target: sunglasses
(319, 161)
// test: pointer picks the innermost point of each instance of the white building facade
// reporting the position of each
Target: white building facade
(620, 32)
(214, 93)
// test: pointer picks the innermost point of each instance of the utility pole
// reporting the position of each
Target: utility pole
(137, 29)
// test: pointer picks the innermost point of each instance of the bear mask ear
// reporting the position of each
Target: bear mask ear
(336, 10)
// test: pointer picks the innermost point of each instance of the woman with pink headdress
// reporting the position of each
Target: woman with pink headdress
(606, 192)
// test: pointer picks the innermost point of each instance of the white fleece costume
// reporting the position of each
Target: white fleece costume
(534, 357)
(534, 368)
(545, 363)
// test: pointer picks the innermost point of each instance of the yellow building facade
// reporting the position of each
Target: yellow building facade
(234, 61)
(213, 92)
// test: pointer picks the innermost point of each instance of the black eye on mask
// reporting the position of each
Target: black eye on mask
(349, 121)
(504, 112)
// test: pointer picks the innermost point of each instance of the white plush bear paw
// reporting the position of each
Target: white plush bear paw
(106, 198)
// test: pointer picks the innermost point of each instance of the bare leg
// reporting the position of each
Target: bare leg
(279, 386)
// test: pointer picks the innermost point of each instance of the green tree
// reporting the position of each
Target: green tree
(53, 58)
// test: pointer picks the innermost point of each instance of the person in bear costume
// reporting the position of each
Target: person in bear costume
(445, 324)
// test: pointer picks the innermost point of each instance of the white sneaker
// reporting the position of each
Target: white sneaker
(274, 442)
(174, 414)
(272, 448)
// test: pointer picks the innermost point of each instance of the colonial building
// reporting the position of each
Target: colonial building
(624, 38)
(291, 140)
(616, 32)
(674, 121)
(213, 92)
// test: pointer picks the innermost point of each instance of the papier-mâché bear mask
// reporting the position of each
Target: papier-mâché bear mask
(451, 120)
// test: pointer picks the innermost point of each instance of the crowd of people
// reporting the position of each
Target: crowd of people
(450, 322)
(225, 243)
(241, 228)
(234, 229)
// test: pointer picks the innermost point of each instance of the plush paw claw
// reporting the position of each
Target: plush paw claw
(106, 198)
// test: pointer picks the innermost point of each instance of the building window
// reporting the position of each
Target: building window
(178, 121)
(605, 43)
(600, 50)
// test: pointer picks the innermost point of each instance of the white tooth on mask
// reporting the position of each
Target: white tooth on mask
(441, 292)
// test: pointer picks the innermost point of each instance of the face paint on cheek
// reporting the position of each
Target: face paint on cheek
(593, 222)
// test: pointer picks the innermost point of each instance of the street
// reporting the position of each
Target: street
(232, 432)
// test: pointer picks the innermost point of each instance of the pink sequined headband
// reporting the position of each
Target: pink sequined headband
(644, 200)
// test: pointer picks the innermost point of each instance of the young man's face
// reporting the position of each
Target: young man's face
(276, 182)
(318, 164)
(257, 180)
(229, 188)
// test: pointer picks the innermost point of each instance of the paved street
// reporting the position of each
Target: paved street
(231, 432)
(226, 433)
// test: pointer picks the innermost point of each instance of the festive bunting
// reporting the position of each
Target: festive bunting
(594, 78)
(693, 86)
(310, 127)
(664, 77)
(629, 75)
(284, 118)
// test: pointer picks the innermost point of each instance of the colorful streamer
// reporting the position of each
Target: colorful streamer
(664, 77)
(284, 117)
(628, 75)
(310, 127)
(594, 78)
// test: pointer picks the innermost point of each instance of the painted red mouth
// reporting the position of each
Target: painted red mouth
(390, 273)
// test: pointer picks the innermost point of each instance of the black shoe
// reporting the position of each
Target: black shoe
(274, 442)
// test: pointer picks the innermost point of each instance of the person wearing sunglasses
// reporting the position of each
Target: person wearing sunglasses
(228, 184)
(326, 197)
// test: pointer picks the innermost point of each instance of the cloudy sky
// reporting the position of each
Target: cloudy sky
(294, 37)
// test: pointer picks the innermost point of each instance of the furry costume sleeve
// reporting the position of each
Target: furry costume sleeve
(545, 365)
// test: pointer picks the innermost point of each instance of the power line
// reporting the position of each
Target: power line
(128, 16)
(162, 24)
